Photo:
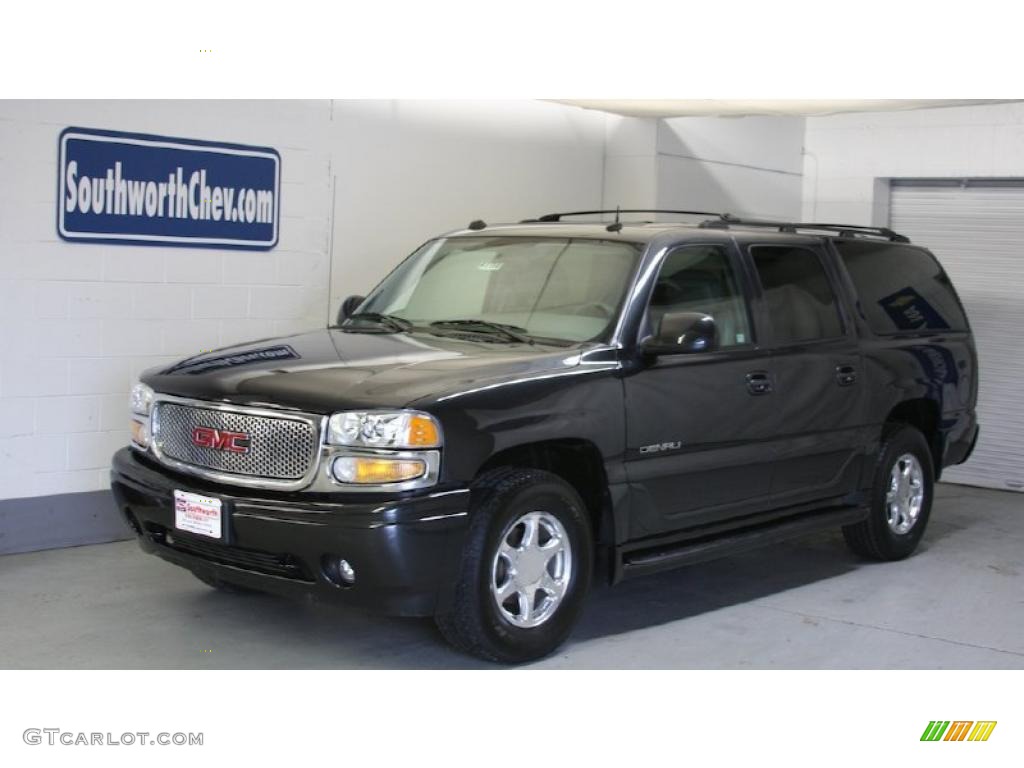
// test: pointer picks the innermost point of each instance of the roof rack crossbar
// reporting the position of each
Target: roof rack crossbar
(555, 217)
(843, 230)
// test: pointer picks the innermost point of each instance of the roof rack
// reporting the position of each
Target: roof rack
(843, 230)
(554, 217)
(725, 220)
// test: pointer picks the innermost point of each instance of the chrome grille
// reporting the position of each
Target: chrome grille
(280, 448)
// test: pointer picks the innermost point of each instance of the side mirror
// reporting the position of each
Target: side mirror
(348, 306)
(683, 332)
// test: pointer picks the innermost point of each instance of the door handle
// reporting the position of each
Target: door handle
(759, 383)
(845, 375)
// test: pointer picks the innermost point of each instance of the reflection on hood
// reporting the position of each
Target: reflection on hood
(195, 365)
(331, 369)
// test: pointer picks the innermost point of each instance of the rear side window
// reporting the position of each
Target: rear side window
(797, 293)
(901, 288)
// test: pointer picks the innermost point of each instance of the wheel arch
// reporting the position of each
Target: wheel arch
(578, 462)
(923, 414)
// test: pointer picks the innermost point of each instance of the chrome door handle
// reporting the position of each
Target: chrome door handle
(845, 375)
(759, 383)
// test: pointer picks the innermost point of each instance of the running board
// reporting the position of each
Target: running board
(653, 557)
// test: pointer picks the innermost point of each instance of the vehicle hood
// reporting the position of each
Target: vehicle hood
(330, 369)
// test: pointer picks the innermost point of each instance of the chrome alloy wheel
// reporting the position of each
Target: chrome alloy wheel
(905, 497)
(532, 569)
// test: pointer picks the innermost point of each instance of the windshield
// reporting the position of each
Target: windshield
(556, 288)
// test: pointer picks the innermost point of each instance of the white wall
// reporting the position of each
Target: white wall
(406, 171)
(847, 155)
(79, 321)
(631, 163)
(747, 166)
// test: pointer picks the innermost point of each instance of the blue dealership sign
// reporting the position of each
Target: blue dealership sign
(118, 187)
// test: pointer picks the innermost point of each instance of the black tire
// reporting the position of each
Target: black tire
(475, 624)
(222, 586)
(874, 538)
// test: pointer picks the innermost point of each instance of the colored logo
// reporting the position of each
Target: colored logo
(958, 730)
(221, 440)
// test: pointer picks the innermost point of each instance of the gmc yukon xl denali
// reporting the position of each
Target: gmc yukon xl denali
(519, 409)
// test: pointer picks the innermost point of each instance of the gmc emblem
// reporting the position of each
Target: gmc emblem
(221, 440)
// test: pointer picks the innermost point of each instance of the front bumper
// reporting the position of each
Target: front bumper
(405, 551)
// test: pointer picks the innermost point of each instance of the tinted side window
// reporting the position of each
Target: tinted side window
(699, 278)
(901, 288)
(800, 301)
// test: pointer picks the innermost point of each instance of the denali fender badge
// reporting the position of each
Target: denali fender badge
(658, 447)
(221, 440)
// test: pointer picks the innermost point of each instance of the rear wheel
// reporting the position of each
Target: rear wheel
(901, 498)
(526, 567)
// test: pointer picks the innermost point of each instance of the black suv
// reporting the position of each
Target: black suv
(518, 408)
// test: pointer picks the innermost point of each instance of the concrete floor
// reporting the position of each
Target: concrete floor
(958, 603)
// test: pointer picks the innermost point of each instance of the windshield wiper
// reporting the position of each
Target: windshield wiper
(510, 332)
(394, 322)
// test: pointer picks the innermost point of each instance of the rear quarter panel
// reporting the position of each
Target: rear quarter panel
(940, 368)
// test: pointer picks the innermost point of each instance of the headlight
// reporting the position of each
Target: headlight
(141, 403)
(141, 399)
(384, 429)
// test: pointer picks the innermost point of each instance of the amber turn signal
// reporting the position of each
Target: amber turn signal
(371, 470)
(140, 433)
(423, 432)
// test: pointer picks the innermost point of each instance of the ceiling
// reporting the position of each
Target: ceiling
(746, 107)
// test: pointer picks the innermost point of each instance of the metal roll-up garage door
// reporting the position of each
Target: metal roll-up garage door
(976, 228)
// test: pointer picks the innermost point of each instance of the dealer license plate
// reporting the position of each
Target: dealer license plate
(197, 514)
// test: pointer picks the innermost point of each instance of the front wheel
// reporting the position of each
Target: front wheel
(901, 498)
(526, 567)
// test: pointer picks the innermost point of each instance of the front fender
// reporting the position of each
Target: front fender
(583, 403)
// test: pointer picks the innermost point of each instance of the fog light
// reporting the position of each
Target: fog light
(346, 572)
(373, 470)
